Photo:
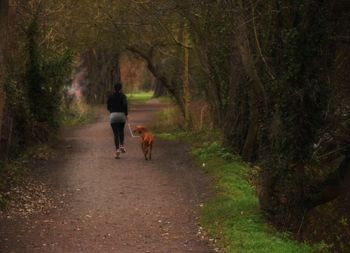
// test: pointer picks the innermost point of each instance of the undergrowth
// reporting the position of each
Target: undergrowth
(233, 217)
(78, 113)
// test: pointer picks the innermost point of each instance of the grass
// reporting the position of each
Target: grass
(169, 120)
(233, 216)
(77, 114)
(235, 213)
(140, 97)
(165, 99)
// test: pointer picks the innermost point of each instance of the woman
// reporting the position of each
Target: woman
(117, 105)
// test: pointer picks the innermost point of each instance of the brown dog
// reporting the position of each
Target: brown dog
(147, 140)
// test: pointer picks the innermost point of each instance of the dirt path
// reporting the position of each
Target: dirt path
(107, 205)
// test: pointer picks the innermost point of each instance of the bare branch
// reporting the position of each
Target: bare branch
(269, 71)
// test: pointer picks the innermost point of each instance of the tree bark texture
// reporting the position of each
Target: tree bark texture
(159, 89)
(186, 79)
(4, 8)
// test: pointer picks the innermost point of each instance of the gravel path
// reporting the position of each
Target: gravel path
(107, 205)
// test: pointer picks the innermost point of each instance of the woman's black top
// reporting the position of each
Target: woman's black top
(117, 102)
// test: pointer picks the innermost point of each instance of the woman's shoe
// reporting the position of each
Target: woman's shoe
(117, 154)
(122, 149)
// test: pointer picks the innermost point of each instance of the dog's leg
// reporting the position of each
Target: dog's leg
(146, 153)
(144, 150)
(150, 151)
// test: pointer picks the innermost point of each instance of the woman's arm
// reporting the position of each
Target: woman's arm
(125, 105)
(108, 104)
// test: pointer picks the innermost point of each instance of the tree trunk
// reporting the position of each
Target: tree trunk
(159, 90)
(4, 8)
(337, 184)
(115, 73)
(186, 80)
(251, 138)
(171, 86)
(257, 94)
(236, 113)
(102, 73)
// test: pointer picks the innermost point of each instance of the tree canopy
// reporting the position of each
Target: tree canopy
(270, 76)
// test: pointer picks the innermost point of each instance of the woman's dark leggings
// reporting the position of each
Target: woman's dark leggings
(118, 131)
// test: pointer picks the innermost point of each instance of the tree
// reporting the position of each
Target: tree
(4, 7)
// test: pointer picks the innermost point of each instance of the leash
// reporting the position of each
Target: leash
(132, 135)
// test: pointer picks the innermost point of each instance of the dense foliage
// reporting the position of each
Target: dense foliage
(44, 77)
(271, 76)
(36, 67)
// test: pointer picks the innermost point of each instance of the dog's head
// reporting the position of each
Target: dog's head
(139, 129)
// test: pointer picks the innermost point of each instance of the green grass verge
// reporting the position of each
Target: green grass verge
(139, 97)
(233, 217)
